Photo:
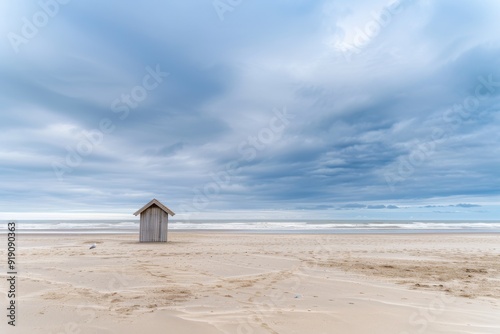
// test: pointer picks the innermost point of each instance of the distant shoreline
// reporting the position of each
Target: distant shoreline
(245, 232)
(313, 227)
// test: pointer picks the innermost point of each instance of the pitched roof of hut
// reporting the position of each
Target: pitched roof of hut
(154, 201)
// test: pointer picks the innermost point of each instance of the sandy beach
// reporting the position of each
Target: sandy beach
(257, 283)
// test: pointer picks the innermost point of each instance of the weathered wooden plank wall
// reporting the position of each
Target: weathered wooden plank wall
(153, 225)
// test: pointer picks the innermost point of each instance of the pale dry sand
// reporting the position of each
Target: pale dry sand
(241, 283)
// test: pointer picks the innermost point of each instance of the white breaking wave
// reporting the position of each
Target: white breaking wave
(106, 226)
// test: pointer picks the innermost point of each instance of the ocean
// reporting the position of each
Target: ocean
(259, 226)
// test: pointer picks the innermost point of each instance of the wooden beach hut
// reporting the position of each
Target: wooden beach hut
(154, 222)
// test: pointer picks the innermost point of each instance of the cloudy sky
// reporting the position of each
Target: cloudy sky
(251, 109)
